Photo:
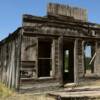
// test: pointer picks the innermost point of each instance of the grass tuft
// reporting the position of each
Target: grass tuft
(4, 91)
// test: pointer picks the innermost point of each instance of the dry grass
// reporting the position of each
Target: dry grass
(31, 97)
(7, 94)
(4, 91)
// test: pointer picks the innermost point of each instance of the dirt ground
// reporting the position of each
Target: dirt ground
(88, 89)
(30, 97)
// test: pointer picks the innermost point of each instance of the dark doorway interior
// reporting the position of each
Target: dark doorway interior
(68, 58)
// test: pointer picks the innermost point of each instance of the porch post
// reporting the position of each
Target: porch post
(60, 69)
(76, 61)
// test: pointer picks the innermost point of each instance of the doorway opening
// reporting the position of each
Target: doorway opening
(89, 56)
(68, 62)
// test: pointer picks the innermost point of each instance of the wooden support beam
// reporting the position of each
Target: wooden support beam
(60, 69)
(92, 58)
(76, 80)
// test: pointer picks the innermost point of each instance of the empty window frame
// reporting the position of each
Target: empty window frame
(44, 58)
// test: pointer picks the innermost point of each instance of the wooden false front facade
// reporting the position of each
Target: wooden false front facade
(33, 57)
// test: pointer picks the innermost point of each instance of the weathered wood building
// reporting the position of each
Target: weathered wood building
(34, 55)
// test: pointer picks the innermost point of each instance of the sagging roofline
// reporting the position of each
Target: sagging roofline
(11, 36)
(69, 20)
(45, 19)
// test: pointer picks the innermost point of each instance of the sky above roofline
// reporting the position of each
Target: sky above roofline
(11, 11)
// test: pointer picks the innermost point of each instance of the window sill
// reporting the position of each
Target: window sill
(45, 78)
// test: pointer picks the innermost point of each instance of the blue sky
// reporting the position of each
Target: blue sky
(11, 11)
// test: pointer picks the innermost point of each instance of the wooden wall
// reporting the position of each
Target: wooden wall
(30, 62)
(28, 48)
(97, 59)
(9, 62)
(58, 9)
(29, 55)
(80, 59)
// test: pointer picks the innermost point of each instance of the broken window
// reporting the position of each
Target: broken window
(44, 58)
(89, 55)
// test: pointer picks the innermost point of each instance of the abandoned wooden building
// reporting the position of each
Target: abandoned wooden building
(34, 56)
